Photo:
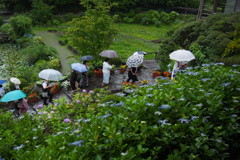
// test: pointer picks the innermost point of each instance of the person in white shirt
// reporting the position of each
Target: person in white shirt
(46, 88)
(106, 72)
(2, 90)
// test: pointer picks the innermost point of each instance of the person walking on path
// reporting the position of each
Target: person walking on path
(106, 72)
(132, 74)
(84, 77)
(73, 81)
(46, 92)
(2, 90)
(23, 106)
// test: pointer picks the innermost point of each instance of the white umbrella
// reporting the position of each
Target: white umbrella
(140, 52)
(50, 75)
(109, 54)
(15, 80)
(181, 55)
(135, 60)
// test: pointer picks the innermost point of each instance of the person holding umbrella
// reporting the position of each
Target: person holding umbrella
(2, 90)
(46, 92)
(106, 72)
(73, 80)
(84, 76)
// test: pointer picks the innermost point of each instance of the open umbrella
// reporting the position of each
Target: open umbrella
(50, 75)
(135, 60)
(2, 82)
(109, 54)
(181, 55)
(140, 52)
(79, 67)
(86, 58)
(13, 95)
(15, 80)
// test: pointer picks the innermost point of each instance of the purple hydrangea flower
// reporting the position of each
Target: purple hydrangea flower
(91, 91)
(78, 101)
(67, 120)
(40, 106)
(84, 90)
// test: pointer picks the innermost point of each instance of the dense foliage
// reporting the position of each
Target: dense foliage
(210, 37)
(93, 32)
(169, 120)
(123, 5)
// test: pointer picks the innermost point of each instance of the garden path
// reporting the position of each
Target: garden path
(64, 54)
(145, 73)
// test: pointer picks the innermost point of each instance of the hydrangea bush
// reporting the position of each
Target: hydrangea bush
(196, 116)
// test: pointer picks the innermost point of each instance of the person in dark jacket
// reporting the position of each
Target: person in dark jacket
(73, 81)
(132, 74)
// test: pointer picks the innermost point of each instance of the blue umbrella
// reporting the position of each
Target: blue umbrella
(13, 95)
(86, 58)
(79, 67)
(2, 81)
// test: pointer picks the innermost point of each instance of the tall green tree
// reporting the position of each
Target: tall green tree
(93, 32)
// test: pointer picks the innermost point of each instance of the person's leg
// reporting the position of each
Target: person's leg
(45, 101)
(50, 97)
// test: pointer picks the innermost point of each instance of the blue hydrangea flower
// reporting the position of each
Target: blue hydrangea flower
(164, 106)
(149, 95)
(234, 115)
(105, 116)
(225, 84)
(18, 147)
(163, 121)
(205, 65)
(117, 104)
(182, 99)
(194, 117)
(76, 143)
(183, 120)
(205, 79)
(150, 104)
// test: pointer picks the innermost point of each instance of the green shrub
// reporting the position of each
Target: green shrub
(200, 57)
(54, 63)
(233, 48)
(229, 61)
(113, 98)
(150, 17)
(36, 52)
(6, 28)
(21, 24)
(41, 65)
(41, 12)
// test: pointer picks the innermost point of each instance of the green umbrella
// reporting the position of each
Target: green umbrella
(13, 95)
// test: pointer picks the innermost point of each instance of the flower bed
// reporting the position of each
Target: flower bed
(98, 73)
(156, 74)
(55, 89)
(34, 97)
(194, 117)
